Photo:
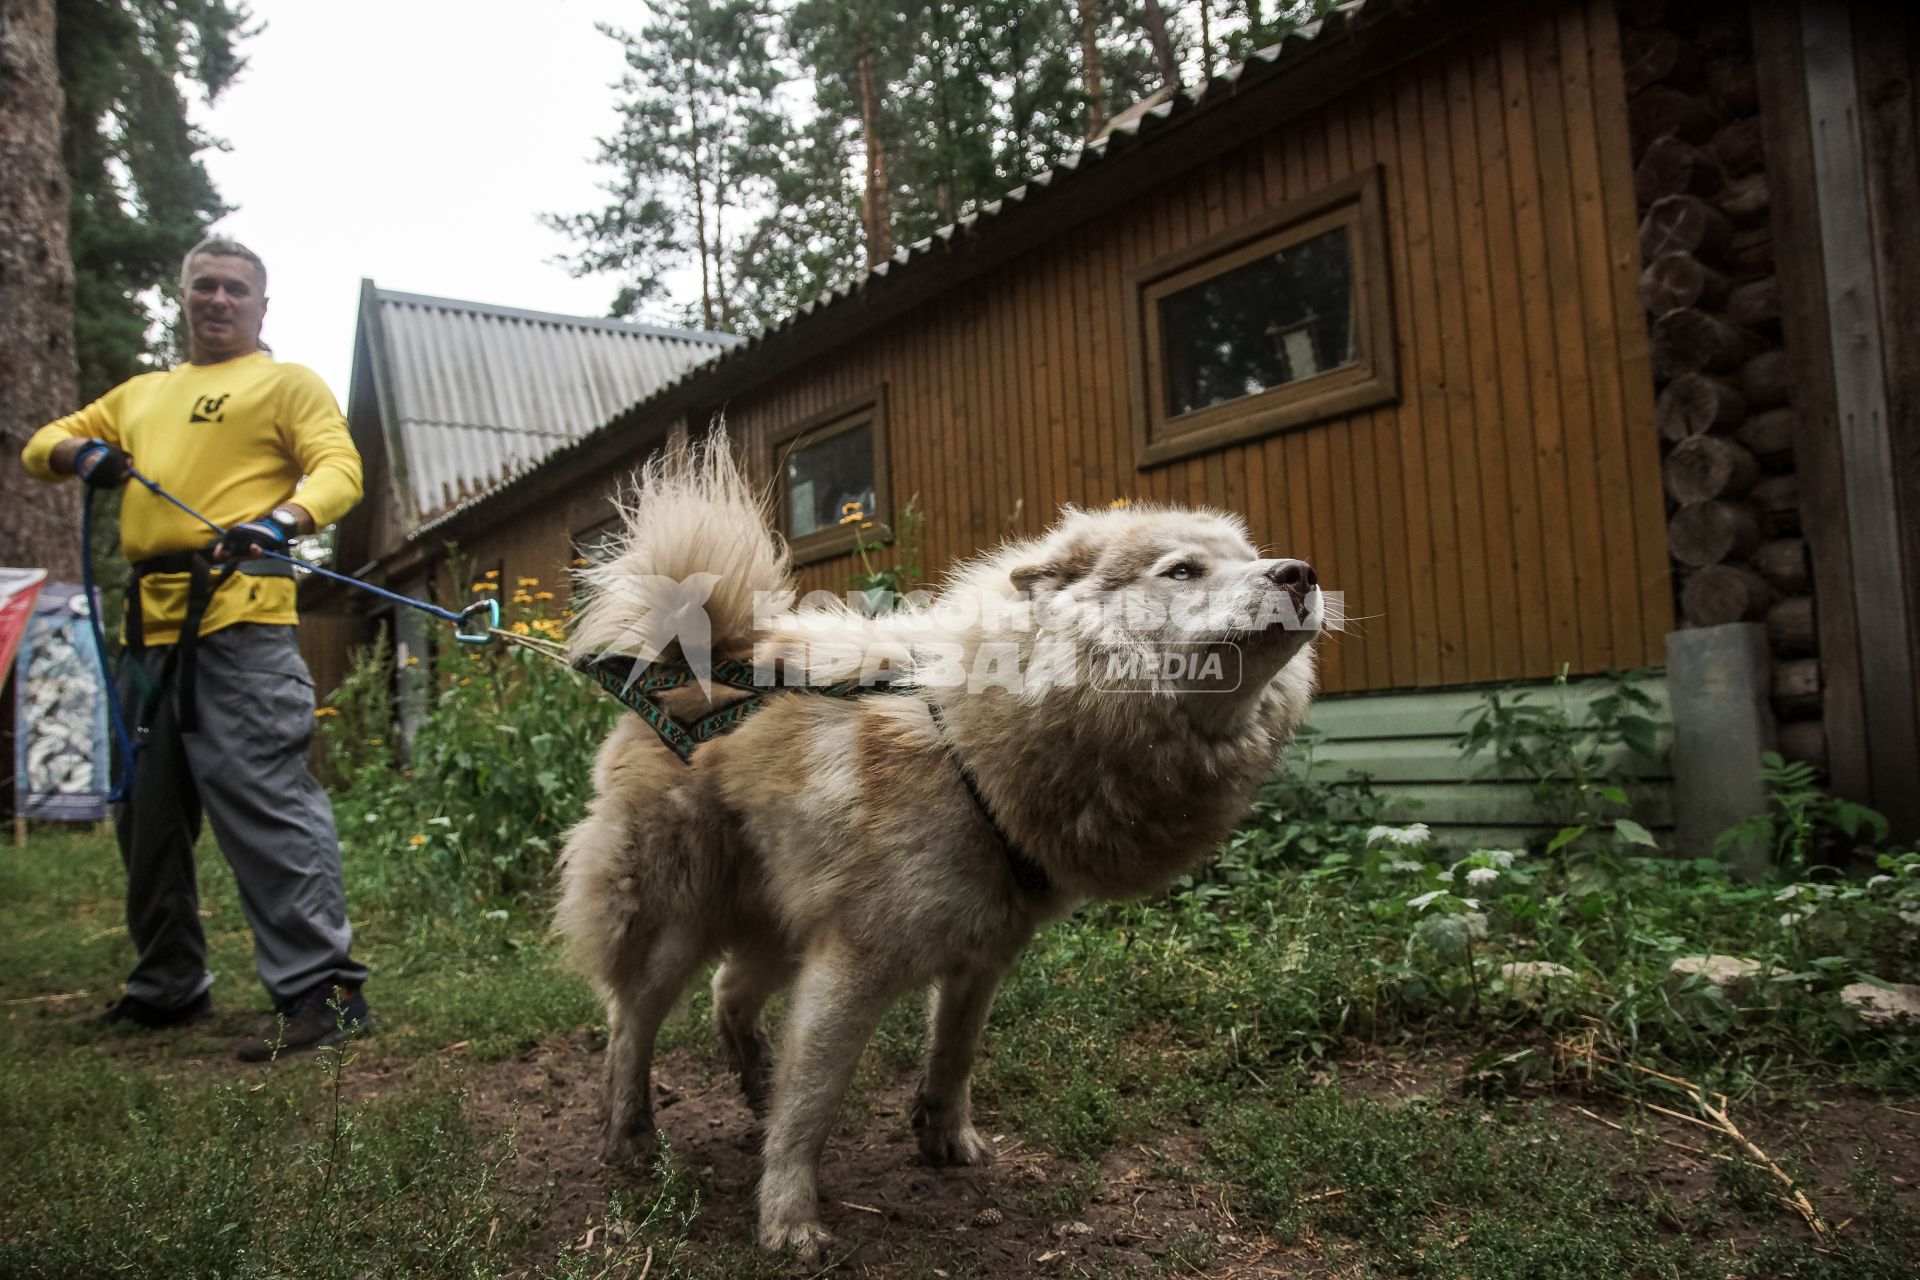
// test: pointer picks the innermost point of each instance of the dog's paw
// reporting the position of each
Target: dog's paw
(631, 1151)
(953, 1148)
(807, 1239)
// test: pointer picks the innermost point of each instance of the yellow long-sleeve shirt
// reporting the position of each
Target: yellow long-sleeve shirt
(231, 440)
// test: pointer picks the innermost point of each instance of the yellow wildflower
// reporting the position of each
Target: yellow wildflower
(413, 662)
(581, 562)
(375, 742)
(518, 628)
(851, 513)
(326, 711)
(464, 680)
(491, 574)
(1120, 502)
(543, 595)
(486, 586)
(529, 582)
(417, 841)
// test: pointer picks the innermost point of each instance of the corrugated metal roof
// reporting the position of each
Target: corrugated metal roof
(474, 394)
(1344, 22)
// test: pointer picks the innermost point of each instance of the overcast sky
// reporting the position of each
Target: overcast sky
(415, 142)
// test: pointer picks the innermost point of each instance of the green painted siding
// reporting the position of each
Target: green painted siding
(1407, 743)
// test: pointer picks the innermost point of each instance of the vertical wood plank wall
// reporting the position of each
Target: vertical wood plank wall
(1504, 518)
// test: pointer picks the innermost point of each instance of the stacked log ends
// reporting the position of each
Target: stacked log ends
(1690, 340)
(1722, 593)
(1684, 224)
(1662, 109)
(1764, 380)
(1703, 468)
(1675, 280)
(1712, 299)
(1694, 404)
(1673, 166)
(1710, 533)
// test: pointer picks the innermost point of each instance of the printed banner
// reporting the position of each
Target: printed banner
(62, 754)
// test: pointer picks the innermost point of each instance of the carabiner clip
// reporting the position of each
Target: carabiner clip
(491, 609)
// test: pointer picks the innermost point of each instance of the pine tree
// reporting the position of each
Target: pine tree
(141, 196)
(696, 164)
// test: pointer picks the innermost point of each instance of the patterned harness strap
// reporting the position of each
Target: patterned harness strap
(640, 693)
(621, 676)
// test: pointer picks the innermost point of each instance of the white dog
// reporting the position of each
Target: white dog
(1087, 715)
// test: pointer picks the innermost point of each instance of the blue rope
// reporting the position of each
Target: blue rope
(121, 789)
(424, 606)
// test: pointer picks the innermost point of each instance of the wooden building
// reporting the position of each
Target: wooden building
(1547, 331)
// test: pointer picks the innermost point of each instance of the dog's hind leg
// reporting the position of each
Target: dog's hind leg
(634, 1014)
(837, 1002)
(943, 1108)
(741, 987)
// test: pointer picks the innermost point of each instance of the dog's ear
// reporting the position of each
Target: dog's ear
(1065, 565)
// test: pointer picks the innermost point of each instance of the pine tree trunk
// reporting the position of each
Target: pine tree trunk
(879, 204)
(708, 320)
(1206, 41)
(1092, 73)
(39, 523)
(1155, 21)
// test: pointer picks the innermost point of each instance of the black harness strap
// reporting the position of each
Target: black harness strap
(204, 578)
(1029, 875)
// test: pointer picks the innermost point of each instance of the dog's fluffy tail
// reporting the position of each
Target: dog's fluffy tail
(696, 538)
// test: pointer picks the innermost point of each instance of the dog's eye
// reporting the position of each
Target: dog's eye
(1181, 572)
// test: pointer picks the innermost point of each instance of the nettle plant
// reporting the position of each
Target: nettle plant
(1832, 926)
(1580, 756)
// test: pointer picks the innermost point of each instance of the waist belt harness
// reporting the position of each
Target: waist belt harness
(204, 578)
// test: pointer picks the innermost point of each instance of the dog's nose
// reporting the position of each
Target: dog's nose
(1297, 576)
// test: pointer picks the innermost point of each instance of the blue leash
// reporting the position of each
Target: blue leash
(460, 620)
(118, 793)
(487, 610)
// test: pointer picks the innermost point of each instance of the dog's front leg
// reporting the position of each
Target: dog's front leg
(943, 1109)
(837, 1002)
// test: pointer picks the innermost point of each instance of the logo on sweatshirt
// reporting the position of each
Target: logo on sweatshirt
(209, 409)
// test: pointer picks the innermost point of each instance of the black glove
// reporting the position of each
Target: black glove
(102, 465)
(245, 541)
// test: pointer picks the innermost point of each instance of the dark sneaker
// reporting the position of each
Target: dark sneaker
(131, 1011)
(323, 1016)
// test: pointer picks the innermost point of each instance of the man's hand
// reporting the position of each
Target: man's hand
(102, 465)
(245, 541)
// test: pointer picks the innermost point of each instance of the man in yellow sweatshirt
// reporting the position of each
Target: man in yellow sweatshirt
(213, 685)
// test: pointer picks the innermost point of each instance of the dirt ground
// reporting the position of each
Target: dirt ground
(1151, 1210)
(887, 1211)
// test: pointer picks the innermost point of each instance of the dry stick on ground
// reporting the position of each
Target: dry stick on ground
(1720, 1123)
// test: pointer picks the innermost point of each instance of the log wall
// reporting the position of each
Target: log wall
(1712, 301)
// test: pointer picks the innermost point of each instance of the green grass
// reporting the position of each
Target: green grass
(1207, 1013)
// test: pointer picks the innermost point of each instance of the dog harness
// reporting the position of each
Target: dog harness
(621, 676)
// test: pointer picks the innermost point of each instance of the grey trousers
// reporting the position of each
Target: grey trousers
(246, 769)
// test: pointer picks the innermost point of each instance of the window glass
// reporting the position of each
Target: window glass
(1281, 318)
(830, 480)
(597, 544)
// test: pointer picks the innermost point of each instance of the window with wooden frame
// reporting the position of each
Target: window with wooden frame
(1281, 322)
(596, 543)
(830, 478)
